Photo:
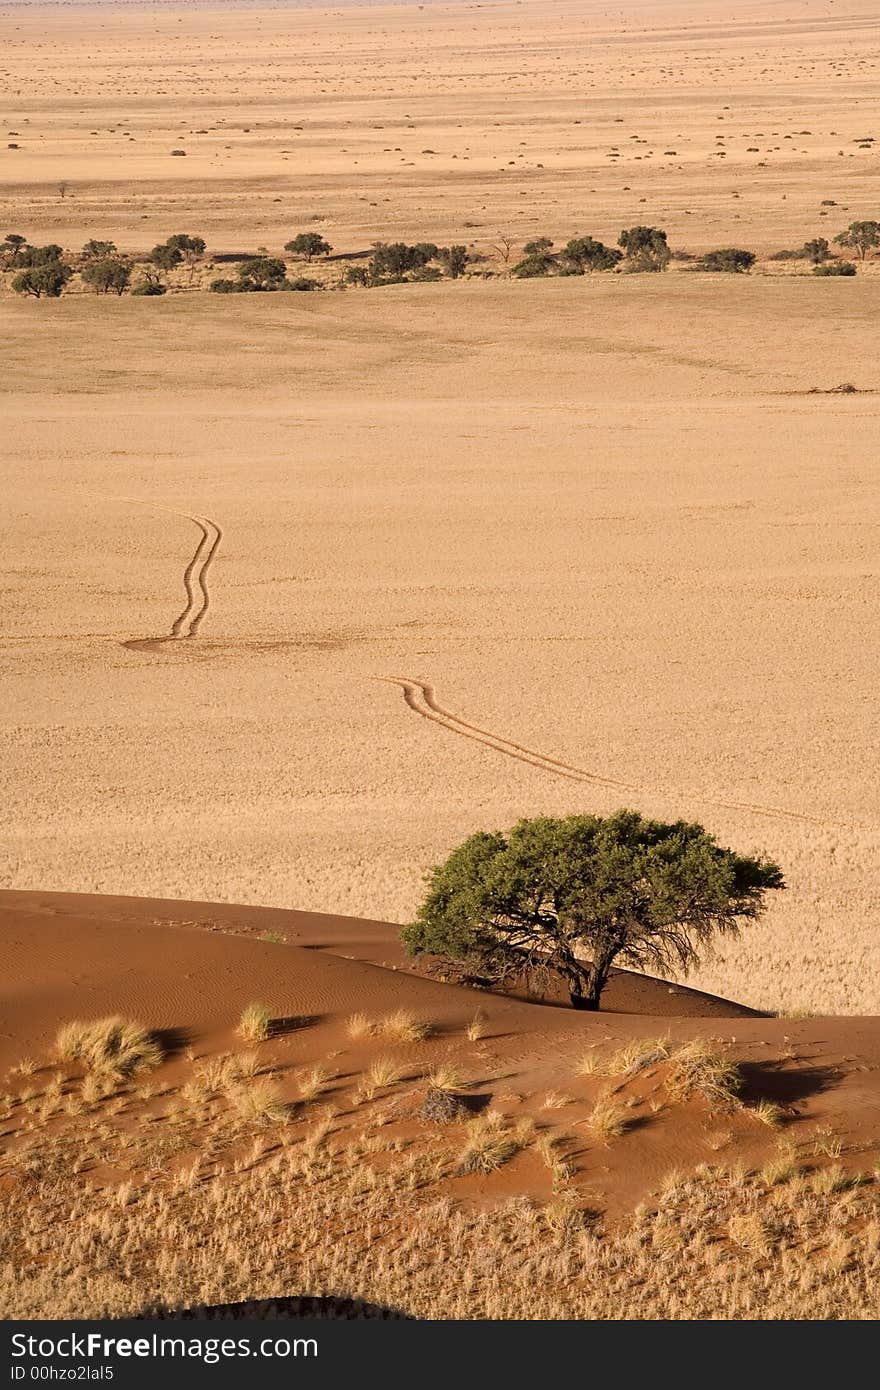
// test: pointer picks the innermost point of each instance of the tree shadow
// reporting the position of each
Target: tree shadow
(305, 1307)
(172, 1040)
(773, 1081)
(280, 1027)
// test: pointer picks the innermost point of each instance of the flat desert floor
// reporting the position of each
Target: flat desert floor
(300, 590)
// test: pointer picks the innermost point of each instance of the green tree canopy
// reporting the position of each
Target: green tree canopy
(453, 259)
(308, 244)
(644, 248)
(393, 260)
(43, 281)
(533, 267)
(107, 275)
(262, 272)
(98, 250)
(166, 256)
(730, 259)
(860, 237)
(576, 896)
(817, 250)
(539, 247)
(584, 255)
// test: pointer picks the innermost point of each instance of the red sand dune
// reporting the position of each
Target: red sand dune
(191, 967)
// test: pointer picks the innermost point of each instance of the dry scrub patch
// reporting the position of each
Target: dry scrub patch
(255, 1023)
(114, 1045)
(712, 1246)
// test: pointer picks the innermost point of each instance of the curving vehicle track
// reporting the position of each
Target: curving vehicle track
(420, 698)
(195, 584)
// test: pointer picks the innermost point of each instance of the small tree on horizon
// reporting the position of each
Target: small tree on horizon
(190, 248)
(644, 248)
(45, 280)
(584, 254)
(817, 250)
(454, 259)
(573, 897)
(860, 237)
(106, 275)
(729, 259)
(307, 245)
(261, 273)
(98, 250)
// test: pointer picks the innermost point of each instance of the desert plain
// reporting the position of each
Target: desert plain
(298, 591)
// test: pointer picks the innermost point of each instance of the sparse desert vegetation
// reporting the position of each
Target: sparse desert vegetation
(115, 1045)
(255, 1023)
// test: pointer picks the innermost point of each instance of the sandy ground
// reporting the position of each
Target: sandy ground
(446, 122)
(602, 520)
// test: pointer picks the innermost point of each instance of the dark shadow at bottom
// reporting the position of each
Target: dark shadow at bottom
(268, 1308)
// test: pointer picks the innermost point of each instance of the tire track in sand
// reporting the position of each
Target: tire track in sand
(420, 697)
(195, 578)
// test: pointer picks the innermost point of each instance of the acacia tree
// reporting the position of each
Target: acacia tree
(190, 248)
(860, 237)
(817, 250)
(261, 273)
(165, 256)
(584, 254)
(110, 274)
(573, 897)
(98, 250)
(393, 260)
(46, 280)
(9, 249)
(644, 248)
(454, 259)
(308, 244)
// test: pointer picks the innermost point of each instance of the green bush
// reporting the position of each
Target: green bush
(835, 268)
(730, 259)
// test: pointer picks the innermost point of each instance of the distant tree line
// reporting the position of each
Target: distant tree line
(45, 271)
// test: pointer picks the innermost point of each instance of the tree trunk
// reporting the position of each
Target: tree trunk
(586, 990)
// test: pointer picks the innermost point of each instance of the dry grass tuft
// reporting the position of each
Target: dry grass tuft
(490, 1142)
(442, 1107)
(313, 1083)
(636, 1055)
(768, 1112)
(402, 1026)
(359, 1026)
(698, 1069)
(607, 1120)
(590, 1064)
(476, 1029)
(555, 1100)
(217, 1074)
(445, 1076)
(255, 1023)
(115, 1046)
(259, 1102)
(382, 1074)
(827, 1144)
(749, 1232)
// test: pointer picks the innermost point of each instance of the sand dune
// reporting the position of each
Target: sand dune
(206, 1202)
